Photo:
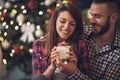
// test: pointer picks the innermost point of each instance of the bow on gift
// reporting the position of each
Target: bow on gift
(27, 30)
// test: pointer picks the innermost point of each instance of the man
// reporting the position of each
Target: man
(103, 44)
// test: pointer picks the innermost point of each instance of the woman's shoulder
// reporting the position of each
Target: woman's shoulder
(39, 41)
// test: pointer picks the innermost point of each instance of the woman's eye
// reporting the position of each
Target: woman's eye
(72, 24)
(62, 21)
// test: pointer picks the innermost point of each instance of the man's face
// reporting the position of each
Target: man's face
(99, 19)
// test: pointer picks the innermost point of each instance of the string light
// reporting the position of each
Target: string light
(5, 10)
(6, 27)
(38, 27)
(16, 27)
(11, 22)
(28, 23)
(40, 12)
(2, 18)
(22, 7)
(1, 7)
(15, 6)
(42, 3)
(65, 1)
(20, 23)
(4, 23)
(4, 61)
(5, 33)
(24, 11)
(21, 47)
(13, 51)
(57, 5)
(11, 54)
(14, 11)
(1, 39)
(30, 50)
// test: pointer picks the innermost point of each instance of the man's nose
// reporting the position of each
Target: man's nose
(92, 19)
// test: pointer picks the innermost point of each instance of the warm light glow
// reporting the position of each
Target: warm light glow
(64, 1)
(40, 12)
(2, 19)
(48, 10)
(15, 6)
(28, 23)
(1, 39)
(13, 51)
(0, 7)
(22, 7)
(24, 11)
(5, 10)
(57, 5)
(20, 23)
(4, 23)
(46, 21)
(38, 26)
(11, 54)
(42, 3)
(11, 22)
(16, 27)
(5, 33)
(6, 27)
(14, 11)
(4, 61)
(30, 50)
(21, 47)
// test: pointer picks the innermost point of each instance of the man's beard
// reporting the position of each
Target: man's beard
(104, 28)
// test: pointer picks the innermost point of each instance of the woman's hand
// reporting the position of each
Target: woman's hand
(53, 56)
(71, 66)
(68, 68)
(51, 68)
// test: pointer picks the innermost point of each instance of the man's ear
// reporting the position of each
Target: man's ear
(114, 17)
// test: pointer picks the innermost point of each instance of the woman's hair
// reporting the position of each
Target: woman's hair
(52, 35)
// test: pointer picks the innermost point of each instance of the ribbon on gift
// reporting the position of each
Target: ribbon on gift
(27, 30)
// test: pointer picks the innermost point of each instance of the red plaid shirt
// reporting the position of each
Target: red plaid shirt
(40, 60)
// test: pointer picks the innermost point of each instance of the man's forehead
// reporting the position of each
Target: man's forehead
(98, 8)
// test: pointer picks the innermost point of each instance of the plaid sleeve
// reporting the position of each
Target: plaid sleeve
(113, 73)
(78, 75)
(39, 58)
(83, 64)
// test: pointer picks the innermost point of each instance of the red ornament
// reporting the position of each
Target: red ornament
(72, 1)
(17, 49)
(51, 12)
(4, 14)
(31, 4)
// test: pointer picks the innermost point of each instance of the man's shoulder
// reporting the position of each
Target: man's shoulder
(87, 33)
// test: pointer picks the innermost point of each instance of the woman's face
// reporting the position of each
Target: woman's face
(65, 25)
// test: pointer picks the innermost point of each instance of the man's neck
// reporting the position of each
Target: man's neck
(105, 38)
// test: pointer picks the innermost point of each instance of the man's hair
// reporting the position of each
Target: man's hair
(113, 5)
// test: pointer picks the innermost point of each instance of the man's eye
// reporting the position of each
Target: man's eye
(97, 16)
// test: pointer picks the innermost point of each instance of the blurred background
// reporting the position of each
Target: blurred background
(21, 22)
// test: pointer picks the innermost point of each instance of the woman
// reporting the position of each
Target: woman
(65, 25)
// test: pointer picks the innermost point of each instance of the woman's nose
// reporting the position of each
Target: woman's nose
(66, 26)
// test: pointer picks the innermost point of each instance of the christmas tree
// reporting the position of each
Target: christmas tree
(21, 22)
